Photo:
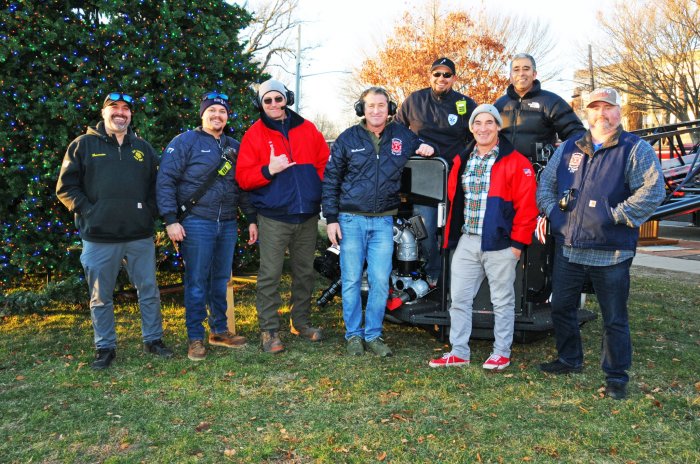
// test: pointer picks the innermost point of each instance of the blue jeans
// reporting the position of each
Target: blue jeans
(208, 253)
(611, 285)
(365, 239)
(101, 263)
(429, 244)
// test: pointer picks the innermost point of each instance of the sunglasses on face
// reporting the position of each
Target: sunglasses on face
(446, 75)
(213, 95)
(268, 100)
(117, 96)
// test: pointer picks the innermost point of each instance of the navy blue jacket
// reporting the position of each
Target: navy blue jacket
(185, 165)
(360, 180)
(599, 183)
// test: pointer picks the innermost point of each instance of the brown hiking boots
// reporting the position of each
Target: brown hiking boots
(196, 350)
(271, 342)
(313, 334)
(227, 339)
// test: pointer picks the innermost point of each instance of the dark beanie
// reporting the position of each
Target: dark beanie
(213, 101)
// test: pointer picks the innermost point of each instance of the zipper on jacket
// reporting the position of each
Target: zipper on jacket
(575, 221)
(376, 180)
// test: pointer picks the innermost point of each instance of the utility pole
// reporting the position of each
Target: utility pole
(590, 66)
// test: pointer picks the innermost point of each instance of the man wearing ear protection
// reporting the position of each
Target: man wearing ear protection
(360, 197)
(108, 180)
(281, 164)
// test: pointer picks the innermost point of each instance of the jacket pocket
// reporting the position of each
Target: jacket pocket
(118, 218)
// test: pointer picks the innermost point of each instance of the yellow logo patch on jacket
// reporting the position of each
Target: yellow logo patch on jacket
(138, 155)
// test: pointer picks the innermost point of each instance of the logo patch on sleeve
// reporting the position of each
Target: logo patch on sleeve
(396, 145)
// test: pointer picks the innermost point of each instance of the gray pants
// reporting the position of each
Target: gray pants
(275, 238)
(101, 262)
(469, 267)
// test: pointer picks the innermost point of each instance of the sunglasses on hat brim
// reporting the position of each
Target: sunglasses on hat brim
(213, 95)
(118, 96)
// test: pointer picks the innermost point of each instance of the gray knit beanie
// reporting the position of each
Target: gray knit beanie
(486, 108)
(271, 85)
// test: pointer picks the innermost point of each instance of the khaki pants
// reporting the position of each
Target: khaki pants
(275, 238)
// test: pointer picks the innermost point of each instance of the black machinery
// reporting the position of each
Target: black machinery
(425, 181)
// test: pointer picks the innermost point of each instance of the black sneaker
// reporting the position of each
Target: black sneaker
(158, 348)
(103, 358)
(616, 390)
(557, 367)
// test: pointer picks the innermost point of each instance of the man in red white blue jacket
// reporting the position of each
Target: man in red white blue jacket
(491, 218)
(281, 165)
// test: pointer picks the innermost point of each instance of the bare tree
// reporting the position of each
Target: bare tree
(521, 34)
(653, 55)
(271, 35)
(326, 126)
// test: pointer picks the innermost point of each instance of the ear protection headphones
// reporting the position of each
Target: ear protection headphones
(288, 95)
(360, 103)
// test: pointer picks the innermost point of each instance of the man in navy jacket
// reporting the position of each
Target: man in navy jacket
(208, 232)
(596, 191)
(360, 197)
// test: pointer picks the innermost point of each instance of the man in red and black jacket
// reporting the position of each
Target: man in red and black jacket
(281, 163)
(491, 218)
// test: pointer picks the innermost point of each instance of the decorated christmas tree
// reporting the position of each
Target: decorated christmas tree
(59, 59)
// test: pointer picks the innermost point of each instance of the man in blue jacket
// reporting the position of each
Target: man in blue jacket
(206, 228)
(108, 180)
(360, 197)
(596, 191)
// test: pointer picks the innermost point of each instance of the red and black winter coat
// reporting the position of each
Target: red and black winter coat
(511, 210)
(295, 193)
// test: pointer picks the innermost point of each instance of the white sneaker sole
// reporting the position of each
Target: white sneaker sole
(495, 368)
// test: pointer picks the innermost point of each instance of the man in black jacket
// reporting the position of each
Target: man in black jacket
(108, 180)
(440, 116)
(534, 118)
(360, 197)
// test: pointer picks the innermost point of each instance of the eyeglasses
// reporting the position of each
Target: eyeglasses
(117, 96)
(268, 101)
(446, 75)
(566, 199)
(213, 95)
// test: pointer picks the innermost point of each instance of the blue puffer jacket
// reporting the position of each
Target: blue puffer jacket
(185, 165)
(360, 180)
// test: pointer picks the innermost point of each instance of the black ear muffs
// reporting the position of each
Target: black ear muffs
(288, 94)
(360, 108)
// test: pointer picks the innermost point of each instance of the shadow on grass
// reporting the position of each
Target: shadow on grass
(313, 403)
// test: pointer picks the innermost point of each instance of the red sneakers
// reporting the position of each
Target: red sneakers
(496, 362)
(449, 360)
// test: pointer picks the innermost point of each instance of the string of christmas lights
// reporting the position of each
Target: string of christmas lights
(59, 60)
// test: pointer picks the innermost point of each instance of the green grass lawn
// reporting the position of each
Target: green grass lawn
(314, 404)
